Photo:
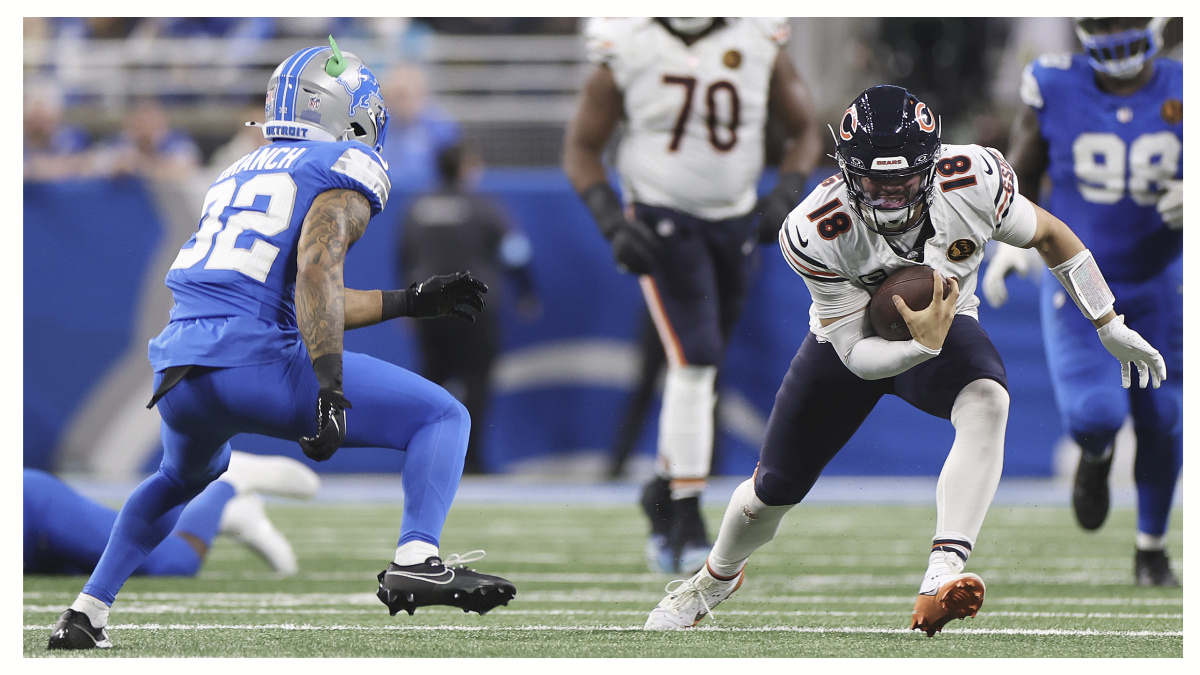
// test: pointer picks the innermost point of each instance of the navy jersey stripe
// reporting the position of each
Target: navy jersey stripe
(800, 255)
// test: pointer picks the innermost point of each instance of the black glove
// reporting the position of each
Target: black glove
(331, 426)
(634, 244)
(459, 294)
(773, 208)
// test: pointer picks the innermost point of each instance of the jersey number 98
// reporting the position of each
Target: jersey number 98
(1107, 169)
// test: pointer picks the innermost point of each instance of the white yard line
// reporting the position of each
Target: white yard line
(623, 629)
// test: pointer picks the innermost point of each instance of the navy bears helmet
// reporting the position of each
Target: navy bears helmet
(888, 143)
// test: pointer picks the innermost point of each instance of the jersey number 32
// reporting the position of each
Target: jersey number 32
(262, 204)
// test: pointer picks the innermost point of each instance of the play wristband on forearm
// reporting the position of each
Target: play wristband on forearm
(396, 304)
(605, 206)
(328, 369)
(1082, 279)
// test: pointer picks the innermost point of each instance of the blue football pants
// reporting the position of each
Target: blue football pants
(392, 408)
(65, 532)
(1087, 383)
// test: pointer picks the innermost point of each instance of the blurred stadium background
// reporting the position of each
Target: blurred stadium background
(98, 240)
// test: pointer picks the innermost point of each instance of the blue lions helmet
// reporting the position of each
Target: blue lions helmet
(325, 94)
(1120, 46)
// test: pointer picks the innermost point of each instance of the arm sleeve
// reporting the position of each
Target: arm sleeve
(870, 356)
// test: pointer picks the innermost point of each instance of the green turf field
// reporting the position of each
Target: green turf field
(838, 581)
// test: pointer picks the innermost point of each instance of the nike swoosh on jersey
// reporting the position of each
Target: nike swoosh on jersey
(443, 577)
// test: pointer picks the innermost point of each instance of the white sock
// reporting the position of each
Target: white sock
(1149, 542)
(971, 474)
(414, 553)
(685, 435)
(747, 525)
(96, 611)
(942, 564)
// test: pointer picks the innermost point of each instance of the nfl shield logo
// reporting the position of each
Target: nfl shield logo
(314, 102)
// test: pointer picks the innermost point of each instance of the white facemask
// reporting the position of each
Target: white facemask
(690, 25)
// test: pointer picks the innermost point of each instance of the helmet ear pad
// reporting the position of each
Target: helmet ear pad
(885, 134)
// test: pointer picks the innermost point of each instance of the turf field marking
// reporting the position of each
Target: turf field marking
(628, 629)
(253, 611)
(587, 596)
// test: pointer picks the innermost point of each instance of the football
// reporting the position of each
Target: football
(915, 285)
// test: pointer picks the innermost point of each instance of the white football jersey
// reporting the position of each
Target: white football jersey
(974, 199)
(695, 115)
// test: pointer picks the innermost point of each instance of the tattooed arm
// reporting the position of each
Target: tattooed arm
(335, 221)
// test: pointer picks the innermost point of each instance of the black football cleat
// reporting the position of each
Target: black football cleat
(687, 539)
(1152, 568)
(407, 587)
(656, 504)
(1090, 497)
(74, 631)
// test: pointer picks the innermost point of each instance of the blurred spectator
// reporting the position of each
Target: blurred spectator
(53, 150)
(148, 146)
(233, 27)
(454, 228)
(245, 139)
(945, 58)
(521, 25)
(417, 131)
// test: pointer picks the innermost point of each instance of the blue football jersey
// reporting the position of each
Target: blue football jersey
(1108, 157)
(234, 280)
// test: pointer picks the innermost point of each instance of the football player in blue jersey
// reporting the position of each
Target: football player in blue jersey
(1106, 128)
(255, 338)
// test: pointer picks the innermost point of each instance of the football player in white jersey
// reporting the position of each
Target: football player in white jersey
(901, 199)
(694, 95)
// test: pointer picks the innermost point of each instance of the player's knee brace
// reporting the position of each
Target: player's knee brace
(686, 421)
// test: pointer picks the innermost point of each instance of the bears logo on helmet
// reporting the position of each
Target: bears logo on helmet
(888, 142)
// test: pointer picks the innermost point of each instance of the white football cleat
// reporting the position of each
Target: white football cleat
(270, 474)
(245, 519)
(691, 600)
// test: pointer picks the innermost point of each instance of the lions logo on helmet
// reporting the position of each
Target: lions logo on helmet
(888, 143)
(341, 99)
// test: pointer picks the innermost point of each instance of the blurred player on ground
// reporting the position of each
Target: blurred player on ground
(694, 95)
(255, 339)
(65, 532)
(1106, 128)
(901, 199)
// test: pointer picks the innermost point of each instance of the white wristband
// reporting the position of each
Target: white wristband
(1086, 285)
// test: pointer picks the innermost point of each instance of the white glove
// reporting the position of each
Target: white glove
(1129, 347)
(1170, 204)
(1004, 261)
